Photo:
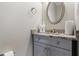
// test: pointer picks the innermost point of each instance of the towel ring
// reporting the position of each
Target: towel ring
(33, 11)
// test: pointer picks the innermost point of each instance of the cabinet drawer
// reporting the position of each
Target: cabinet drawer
(58, 42)
(41, 39)
(62, 43)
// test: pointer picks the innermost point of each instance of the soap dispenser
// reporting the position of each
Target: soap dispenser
(41, 27)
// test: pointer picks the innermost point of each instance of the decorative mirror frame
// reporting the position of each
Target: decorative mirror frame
(62, 14)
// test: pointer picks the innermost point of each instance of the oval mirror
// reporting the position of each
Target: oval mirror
(55, 11)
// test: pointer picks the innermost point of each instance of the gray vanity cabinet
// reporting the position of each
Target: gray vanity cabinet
(46, 46)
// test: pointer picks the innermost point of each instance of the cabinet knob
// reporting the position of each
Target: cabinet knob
(50, 36)
(58, 42)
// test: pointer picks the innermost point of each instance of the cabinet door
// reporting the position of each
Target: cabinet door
(40, 50)
(54, 41)
(53, 51)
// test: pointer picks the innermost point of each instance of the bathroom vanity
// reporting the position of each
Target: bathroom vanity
(55, 42)
(48, 44)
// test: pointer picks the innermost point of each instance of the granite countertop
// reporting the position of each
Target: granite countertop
(73, 37)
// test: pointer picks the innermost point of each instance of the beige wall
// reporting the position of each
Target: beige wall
(16, 22)
(77, 15)
(69, 15)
